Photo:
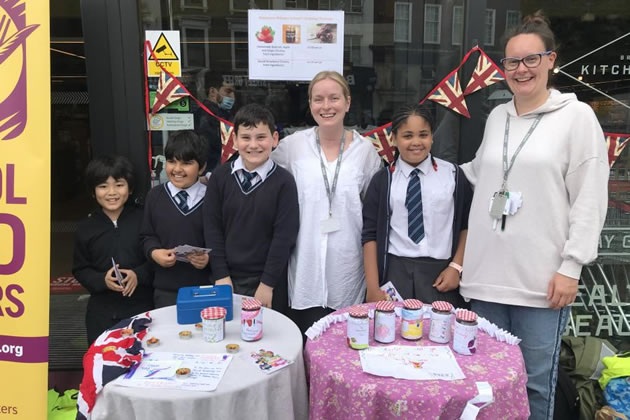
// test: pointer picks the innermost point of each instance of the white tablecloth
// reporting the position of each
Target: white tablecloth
(243, 393)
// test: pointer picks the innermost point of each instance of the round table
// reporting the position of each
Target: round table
(339, 389)
(244, 391)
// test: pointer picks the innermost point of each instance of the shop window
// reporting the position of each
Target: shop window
(296, 4)
(349, 6)
(402, 22)
(490, 21)
(432, 21)
(195, 49)
(458, 25)
(323, 4)
(240, 59)
(194, 4)
(244, 5)
(512, 19)
(352, 48)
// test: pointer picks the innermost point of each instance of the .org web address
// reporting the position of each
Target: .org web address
(12, 349)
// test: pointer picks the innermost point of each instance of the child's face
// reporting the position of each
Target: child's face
(112, 195)
(414, 140)
(254, 144)
(182, 173)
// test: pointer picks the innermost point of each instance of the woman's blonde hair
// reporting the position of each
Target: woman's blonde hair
(332, 75)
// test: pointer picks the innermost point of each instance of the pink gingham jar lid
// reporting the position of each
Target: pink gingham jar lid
(214, 312)
(441, 306)
(466, 315)
(385, 306)
(251, 304)
(358, 311)
(412, 304)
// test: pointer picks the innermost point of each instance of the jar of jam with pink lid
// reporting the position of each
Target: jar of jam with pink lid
(358, 332)
(411, 320)
(441, 320)
(384, 322)
(251, 320)
(465, 332)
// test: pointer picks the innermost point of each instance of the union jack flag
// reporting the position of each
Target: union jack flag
(227, 140)
(169, 90)
(114, 352)
(615, 143)
(449, 94)
(381, 139)
(486, 73)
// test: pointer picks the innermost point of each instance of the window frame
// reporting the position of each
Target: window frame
(438, 22)
(409, 6)
(454, 26)
(494, 27)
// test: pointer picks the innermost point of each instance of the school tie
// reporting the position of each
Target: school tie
(248, 177)
(182, 200)
(413, 202)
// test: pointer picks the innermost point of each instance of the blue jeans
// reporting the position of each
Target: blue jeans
(540, 331)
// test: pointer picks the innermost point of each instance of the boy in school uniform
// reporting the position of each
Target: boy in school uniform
(251, 213)
(111, 232)
(173, 216)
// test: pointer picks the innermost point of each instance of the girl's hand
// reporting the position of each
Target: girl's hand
(199, 261)
(447, 280)
(130, 281)
(111, 282)
(264, 294)
(164, 257)
(375, 295)
(561, 291)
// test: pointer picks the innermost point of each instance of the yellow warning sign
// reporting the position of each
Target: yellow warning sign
(163, 50)
(172, 67)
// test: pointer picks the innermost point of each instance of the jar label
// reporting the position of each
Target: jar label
(251, 325)
(384, 326)
(465, 339)
(411, 324)
(358, 333)
(440, 331)
(213, 330)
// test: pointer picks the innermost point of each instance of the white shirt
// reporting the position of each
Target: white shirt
(261, 171)
(438, 209)
(326, 269)
(196, 192)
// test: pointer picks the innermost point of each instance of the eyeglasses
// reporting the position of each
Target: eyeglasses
(531, 61)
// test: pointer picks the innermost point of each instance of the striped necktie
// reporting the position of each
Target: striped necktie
(413, 202)
(182, 200)
(247, 179)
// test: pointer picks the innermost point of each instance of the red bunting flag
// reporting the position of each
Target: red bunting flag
(449, 94)
(381, 139)
(227, 140)
(169, 90)
(615, 143)
(485, 74)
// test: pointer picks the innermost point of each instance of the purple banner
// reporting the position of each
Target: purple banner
(23, 349)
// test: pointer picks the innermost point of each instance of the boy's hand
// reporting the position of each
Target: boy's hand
(130, 281)
(264, 294)
(225, 280)
(164, 257)
(198, 260)
(447, 280)
(374, 295)
(111, 282)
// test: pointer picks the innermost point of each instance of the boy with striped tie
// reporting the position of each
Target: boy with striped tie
(173, 216)
(251, 213)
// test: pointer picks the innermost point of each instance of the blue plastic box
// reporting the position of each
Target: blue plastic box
(191, 300)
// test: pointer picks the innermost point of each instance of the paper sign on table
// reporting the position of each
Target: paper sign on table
(206, 371)
(155, 369)
(412, 362)
(268, 361)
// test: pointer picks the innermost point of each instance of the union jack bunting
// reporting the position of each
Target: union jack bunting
(449, 94)
(615, 143)
(227, 140)
(114, 353)
(485, 74)
(169, 90)
(381, 139)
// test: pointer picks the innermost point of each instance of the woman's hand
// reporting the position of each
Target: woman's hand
(447, 280)
(199, 261)
(562, 290)
(264, 294)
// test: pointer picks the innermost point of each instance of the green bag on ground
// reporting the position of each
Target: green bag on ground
(62, 406)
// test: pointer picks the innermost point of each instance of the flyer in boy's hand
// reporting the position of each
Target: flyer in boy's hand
(182, 251)
(117, 273)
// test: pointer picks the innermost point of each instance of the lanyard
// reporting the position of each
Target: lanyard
(506, 168)
(330, 192)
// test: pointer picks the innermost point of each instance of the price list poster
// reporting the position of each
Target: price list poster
(24, 207)
(294, 45)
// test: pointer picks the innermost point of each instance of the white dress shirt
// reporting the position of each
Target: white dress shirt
(438, 207)
(196, 192)
(262, 171)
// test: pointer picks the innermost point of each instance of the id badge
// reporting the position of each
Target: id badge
(330, 225)
(497, 205)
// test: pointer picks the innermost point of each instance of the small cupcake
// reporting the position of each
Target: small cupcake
(185, 335)
(199, 326)
(182, 372)
(153, 342)
(232, 348)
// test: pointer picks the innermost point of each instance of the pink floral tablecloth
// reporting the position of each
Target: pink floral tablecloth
(339, 389)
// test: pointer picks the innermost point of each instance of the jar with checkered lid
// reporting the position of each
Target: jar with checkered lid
(465, 332)
(213, 324)
(251, 320)
(384, 322)
(441, 320)
(411, 320)
(358, 332)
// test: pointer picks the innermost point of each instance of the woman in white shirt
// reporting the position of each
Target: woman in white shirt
(332, 167)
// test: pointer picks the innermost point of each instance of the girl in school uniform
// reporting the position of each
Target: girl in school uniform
(415, 217)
